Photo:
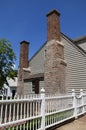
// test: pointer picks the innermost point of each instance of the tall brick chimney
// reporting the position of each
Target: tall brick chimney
(55, 65)
(24, 54)
(53, 25)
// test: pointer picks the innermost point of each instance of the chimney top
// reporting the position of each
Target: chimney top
(24, 42)
(53, 11)
(53, 25)
(24, 45)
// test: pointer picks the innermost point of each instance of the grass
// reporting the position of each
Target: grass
(36, 123)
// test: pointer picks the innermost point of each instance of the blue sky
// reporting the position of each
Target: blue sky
(26, 20)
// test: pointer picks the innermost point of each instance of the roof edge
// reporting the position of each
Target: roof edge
(79, 39)
(83, 51)
(76, 45)
(37, 51)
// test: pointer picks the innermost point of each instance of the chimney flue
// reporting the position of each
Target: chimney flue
(24, 54)
(53, 25)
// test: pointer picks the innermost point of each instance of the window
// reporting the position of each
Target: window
(33, 86)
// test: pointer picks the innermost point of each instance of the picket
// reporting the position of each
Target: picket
(38, 112)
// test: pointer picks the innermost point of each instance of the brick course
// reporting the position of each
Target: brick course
(55, 68)
(23, 64)
(23, 54)
(53, 25)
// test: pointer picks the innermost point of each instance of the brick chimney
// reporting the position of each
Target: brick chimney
(24, 54)
(53, 25)
(55, 65)
(23, 63)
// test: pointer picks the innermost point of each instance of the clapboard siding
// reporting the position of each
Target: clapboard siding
(37, 62)
(82, 45)
(76, 66)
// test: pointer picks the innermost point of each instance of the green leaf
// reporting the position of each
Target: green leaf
(7, 58)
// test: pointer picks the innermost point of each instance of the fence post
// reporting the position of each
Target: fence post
(74, 103)
(82, 100)
(43, 109)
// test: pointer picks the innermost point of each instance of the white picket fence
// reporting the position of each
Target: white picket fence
(39, 112)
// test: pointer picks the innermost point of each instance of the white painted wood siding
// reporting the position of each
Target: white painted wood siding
(83, 45)
(76, 67)
(37, 62)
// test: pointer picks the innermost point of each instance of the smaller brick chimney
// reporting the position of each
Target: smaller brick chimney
(53, 25)
(23, 63)
(24, 45)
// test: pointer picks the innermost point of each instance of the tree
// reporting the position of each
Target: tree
(7, 58)
(15, 73)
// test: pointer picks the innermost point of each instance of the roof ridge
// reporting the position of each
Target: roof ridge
(79, 39)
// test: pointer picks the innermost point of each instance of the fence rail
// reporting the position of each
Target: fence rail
(40, 112)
